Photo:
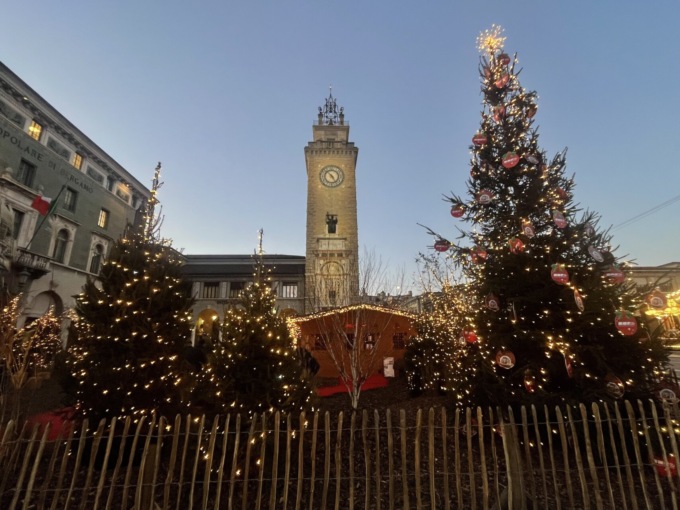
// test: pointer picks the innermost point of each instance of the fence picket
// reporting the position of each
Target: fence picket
(638, 457)
(578, 461)
(404, 467)
(603, 457)
(107, 453)
(275, 460)
(416, 467)
(430, 457)
(300, 473)
(338, 461)
(626, 459)
(445, 462)
(367, 457)
(56, 448)
(378, 476)
(246, 465)
(209, 461)
(261, 461)
(651, 453)
(669, 476)
(312, 480)
(223, 459)
(352, 429)
(482, 457)
(327, 459)
(197, 459)
(234, 462)
(36, 464)
(390, 460)
(457, 462)
(62, 468)
(528, 457)
(551, 452)
(286, 474)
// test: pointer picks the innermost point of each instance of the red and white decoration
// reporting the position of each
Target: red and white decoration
(504, 59)
(457, 210)
(531, 111)
(470, 337)
(569, 365)
(499, 113)
(614, 386)
(657, 299)
(559, 219)
(661, 468)
(596, 254)
(559, 274)
(442, 245)
(528, 229)
(516, 245)
(667, 392)
(484, 197)
(625, 323)
(533, 159)
(479, 139)
(503, 80)
(510, 159)
(578, 299)
(615, 275)
(505, 359)
(478, 254)
(492, 302)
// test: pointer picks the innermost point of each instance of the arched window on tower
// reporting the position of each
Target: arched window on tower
(96, 262)
(60, 244)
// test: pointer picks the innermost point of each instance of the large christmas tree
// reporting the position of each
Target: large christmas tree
(253, 367)
(132, 324)
(555, 317)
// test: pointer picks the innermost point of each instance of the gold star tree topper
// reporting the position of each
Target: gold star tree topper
(491, 40)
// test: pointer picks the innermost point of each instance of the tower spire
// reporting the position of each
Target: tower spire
(331, 114)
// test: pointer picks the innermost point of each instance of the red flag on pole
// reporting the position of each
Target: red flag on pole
(41, 204)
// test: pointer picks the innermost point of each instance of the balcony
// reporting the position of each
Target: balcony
(36, 264)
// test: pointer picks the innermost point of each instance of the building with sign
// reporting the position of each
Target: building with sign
(63, 201)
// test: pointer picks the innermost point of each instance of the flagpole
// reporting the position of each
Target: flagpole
(53, 206)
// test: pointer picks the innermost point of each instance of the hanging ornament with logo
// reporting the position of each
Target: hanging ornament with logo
(499, 113)
(457, 210)
(442, 245)
(492, 302)
(615, 275)
(559, 219)
(559, 274)
(667, 467)
(478, 254)
(510, 159)
(596, 254)
(502, 80)
(528, 229)
(614, 386)
(657, 299)
(516, 245)
(533, 159)
(484, 197)
(505, 359)
(667, 392)
(470, 337)
(531, 111)
(560, 197)
(479, 139)
(578, 299)
(589, 230)
(625, 323)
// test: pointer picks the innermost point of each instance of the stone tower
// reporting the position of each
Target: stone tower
(332, 254)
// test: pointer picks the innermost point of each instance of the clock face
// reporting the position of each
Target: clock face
(331, 176)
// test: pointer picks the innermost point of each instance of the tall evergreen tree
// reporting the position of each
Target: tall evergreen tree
(253, 368)
(132, 323)
(555, 316)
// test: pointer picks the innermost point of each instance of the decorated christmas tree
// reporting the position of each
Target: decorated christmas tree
(254, 367)
(556, 316)
(132, 323)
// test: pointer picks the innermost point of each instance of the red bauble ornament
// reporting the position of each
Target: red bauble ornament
(503, 80)
(505, 359)
(479, 139)
(561, 194)
(504, 59)
(661, 468)
(559, 219)
(578, 299)
(499, 113)
(595, 254)
(528, 229)
(492, 302)
(516, 245)
(484, 197)
(531, 111)
(614, 386)
(457, 211)
(569, 365)
(559, 274)
(529, 381)
(470, 337)
(533, 159)
(478, 254)
(442, 245)
(657, 299)
(510, 159)
(615, 275)
(625, 323)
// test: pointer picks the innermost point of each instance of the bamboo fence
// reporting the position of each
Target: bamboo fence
(598, 456)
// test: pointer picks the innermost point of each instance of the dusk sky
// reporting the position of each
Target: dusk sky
(225, 93)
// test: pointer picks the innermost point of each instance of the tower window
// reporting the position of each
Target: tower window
(59, 252)
(331, 222)
(78, 160)
(399, 341)
(96, 262)
(289, 290)
(18, 222)
(26, 173)
(235, 288)
(70, 199)
(103, 221)
(35, 130)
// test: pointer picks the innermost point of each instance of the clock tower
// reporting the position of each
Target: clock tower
(332, 254)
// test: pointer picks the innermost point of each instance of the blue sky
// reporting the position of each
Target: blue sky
(225, 94)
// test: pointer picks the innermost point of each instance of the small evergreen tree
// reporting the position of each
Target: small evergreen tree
(253, 368)
(555, 318)
(132, 323)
